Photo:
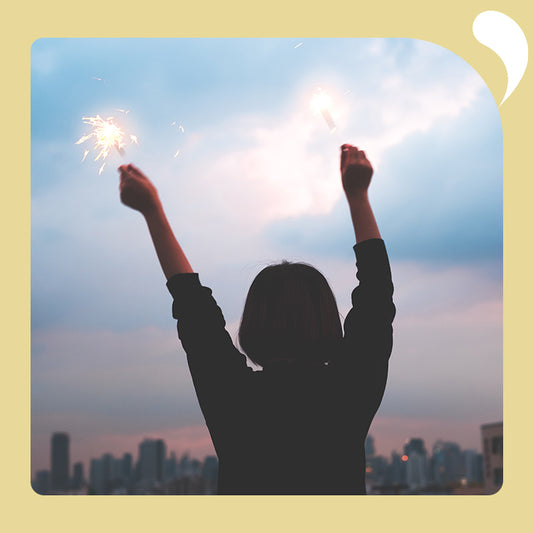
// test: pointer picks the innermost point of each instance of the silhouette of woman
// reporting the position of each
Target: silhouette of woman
(299, 425)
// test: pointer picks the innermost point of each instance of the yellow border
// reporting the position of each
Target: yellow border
(448, 24)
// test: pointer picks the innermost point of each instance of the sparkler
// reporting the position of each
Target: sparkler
(321, 102)
(106, 134)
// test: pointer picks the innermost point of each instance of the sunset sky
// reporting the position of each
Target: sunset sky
(256, 180)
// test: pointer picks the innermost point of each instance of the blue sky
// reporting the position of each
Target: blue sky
(256, 180)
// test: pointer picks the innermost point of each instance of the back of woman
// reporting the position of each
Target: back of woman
(299, 425)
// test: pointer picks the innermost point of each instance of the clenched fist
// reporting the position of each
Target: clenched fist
(136, 190)
(356, 170)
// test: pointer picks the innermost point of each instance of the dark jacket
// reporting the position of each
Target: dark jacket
(291, 429)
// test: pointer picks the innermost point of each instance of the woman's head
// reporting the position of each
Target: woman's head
(290, 313)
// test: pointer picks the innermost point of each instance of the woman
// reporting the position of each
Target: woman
(299, 425)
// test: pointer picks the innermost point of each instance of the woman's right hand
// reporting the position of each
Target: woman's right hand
(136, 190)
(356, 171)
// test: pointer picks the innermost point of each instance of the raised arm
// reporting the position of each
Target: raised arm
(139, 193)
(368, 325)
(356, 172)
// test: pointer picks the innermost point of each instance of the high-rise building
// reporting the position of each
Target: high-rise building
(171, 467)
(127, 469)
(96, 476)
(473, 467)
(210, 474)
(447, 463)
(415, 458)
(492, 442)
(60, 462)
(77, 476)
(152, 454)
(397, 473)
(41, 483)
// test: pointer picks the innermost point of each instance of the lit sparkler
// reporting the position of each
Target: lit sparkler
(321, 102)
(106, 134)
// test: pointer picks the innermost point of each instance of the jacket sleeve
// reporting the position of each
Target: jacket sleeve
(368, 325)
(202, 328)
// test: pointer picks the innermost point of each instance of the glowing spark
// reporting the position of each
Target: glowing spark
(180, 127)
(173, 124)
(96, 78)
(177, 153)
(321, 102)
(298, 45)
(125, 111)
(106, 133)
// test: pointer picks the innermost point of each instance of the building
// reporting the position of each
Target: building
(152, 455)
(60, 462)
(210, 474)
(447, 463)
(96, 476)
(473, 467)
(42, 482)
(492, 445)
(78, 480)
(415, 457)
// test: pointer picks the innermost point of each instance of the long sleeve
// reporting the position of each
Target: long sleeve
(201, 326)
(368, 325)
(367, 342)
(219, 371)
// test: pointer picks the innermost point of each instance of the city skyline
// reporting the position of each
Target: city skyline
(134, 450)
(444, 467)
(106, 363)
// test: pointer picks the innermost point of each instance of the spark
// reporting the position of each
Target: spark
(321, 103)
(298, 45)
(125, 111)
(180, 127)
(176, 154)
(173, 124)
(96, 78)
(106, 134)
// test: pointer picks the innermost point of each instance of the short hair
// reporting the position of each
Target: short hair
(290, 313)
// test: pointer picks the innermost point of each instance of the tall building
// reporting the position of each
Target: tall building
(492, 443)
(415, 457)
(60, 462)
(152, 455)
(77, 476)
(96, 476)
(171, 467)
(473, 467)
(447, 463)
(127, 469)
(41, 483)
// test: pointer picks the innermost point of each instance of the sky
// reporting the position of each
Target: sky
(249, 174)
